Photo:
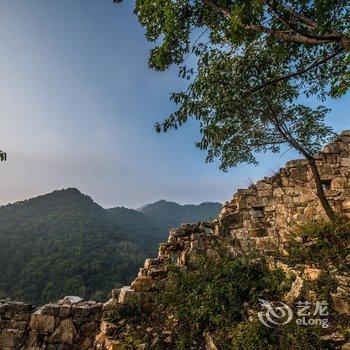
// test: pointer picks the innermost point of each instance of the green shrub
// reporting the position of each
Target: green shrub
(321, 243)
(255, 336)
(132, 311)
(214, 293)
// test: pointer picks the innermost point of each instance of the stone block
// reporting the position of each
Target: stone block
(50, 309)
(312, 274)
(331, 158)
(126, 294)
(340, 303)
(345, 162)
(64, 311)
(42, 323)
(141, 284)
(17, 307)
(150, 263)
(265, 193)
(262, 185)
(71, 300)
(81, 310)
(10, 339)
(339, 183)
(345, 133)
(89, 330)
(110, 304)
(65, 333)
(115, 293)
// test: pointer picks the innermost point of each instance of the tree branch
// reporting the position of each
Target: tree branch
(294, 26)
(308, 21)
(279, 34)
(298, 72)
(297, 38)
(213, 4)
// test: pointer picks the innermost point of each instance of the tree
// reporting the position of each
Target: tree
(247, 63)
(3, 156)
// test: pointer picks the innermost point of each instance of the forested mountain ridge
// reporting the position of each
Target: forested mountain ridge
(171, 214)
(64, 243)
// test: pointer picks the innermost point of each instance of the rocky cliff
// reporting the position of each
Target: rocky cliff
(256, 219)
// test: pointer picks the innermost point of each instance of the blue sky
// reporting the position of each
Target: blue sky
(78, 104)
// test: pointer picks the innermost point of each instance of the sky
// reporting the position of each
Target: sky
(78, 104)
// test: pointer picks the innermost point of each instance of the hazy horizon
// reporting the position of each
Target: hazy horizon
(78, 105)
(116, 205)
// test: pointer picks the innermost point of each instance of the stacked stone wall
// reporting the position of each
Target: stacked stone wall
(262, 215)
(69, 324)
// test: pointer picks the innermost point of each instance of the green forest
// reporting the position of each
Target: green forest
(63, 243)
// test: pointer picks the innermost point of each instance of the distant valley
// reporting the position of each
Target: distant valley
(64, 243)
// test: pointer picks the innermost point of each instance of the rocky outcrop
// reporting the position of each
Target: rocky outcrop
(69, 324)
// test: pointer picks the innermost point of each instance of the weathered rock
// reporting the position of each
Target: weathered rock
(71, 300)
(110, 304)
(64, 311)
(142, 284)
(10, 338)
(209, 342)
(126, 294)
(52, 326)
(42, 323)
(340, 303)
(312, 274)
(51, 309)
(65, 333)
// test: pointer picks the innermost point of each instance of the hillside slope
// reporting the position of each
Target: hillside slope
(63, 243)
(171, 214)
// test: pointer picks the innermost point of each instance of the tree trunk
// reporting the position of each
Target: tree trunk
(311, 160)
(319, 188)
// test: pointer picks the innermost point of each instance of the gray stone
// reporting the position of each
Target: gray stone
(65, 333)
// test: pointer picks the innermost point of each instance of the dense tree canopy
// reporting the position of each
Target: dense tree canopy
(248, 62)
(63, 243)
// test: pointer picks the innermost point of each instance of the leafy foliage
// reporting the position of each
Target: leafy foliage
(132, 310)
(219, 296)
(246, 62)
(321, 244)
(214, 293)
(171, 214)
(255, 336)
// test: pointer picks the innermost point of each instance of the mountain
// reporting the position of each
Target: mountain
(63, 243)
(171, 214)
